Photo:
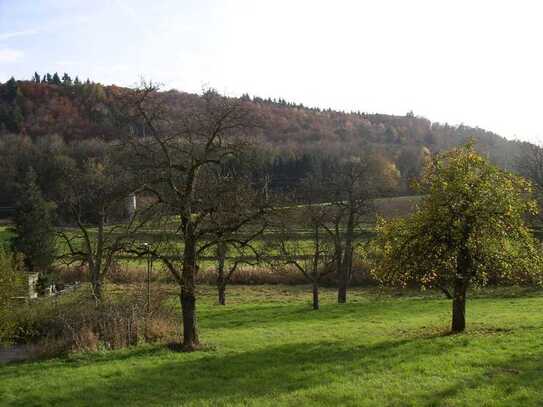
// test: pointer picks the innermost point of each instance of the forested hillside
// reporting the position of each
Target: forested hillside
(293, 137)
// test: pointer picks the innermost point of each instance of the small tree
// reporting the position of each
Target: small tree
(470, 226)
(313, 254)
(245, 253)
(92, 201)
(235, 201)
(34, 228)
(349, 188)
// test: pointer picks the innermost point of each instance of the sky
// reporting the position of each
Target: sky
(475, 62)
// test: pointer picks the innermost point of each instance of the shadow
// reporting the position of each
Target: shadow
(514, 382)
(77, 360)
(269, 315)
(155, 375)
(213, 379)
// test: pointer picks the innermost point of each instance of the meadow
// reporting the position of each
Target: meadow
(267, 347)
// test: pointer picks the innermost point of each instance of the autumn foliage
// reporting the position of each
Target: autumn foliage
(469, 229)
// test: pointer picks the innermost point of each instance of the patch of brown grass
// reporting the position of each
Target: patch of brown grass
(81, 324)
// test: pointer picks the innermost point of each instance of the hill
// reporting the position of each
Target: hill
(292, 134)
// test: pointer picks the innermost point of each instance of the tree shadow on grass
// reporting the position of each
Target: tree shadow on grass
(514, 382)
(21, 368)
(215, 379)
(262, 316)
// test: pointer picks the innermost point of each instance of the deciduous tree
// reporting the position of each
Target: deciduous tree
(303, 243)
(470, 225)
(349, 188)
(179, 156)
(92, 200)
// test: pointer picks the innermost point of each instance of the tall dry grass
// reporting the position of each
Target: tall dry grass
(78, 323)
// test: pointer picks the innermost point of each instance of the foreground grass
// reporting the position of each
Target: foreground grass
(268, 348)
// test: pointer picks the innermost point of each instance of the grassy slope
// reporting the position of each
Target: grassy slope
(271, 349)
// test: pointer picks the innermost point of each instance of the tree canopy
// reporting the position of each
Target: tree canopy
(469, 228)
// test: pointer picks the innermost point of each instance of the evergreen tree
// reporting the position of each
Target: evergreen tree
(11, 87)
(66, 80)
(37, 78)
(56, 79)
(11, 115)
(35, 233)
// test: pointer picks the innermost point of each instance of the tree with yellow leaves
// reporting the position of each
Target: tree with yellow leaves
(468, 228)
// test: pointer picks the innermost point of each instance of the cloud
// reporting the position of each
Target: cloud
(7, 36)
(10, 55)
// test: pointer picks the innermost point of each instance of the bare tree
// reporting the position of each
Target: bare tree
(349, 188)
(231, 253)
(312, 255)
(235, 199)
(92, 202)
(180, 155)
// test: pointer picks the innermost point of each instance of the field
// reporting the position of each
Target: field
(385, 207)
(268, 348)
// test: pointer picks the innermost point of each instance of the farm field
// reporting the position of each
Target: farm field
(386, 207)
(267, 347)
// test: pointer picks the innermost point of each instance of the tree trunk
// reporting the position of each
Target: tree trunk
(96, 272)
(316, 304)
(340, 277)
(342, 291)
(188, 296)
(464, 265)
(96, 283)
(459, 306)
(221, 278)
(190, 327)
(344, 274)
(347, 262)
(222, 293)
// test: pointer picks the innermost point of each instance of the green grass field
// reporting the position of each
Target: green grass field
(267, 348)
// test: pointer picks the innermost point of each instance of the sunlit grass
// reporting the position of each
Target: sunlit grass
(267, 347)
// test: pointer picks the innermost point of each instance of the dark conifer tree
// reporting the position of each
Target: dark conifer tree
(56, 79)
(66, 80)
(34, 230)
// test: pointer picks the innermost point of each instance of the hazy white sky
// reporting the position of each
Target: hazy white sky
(475, 62)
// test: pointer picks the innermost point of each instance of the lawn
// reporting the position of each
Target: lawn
(268, 348)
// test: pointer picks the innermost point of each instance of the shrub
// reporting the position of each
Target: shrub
(78, 323)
